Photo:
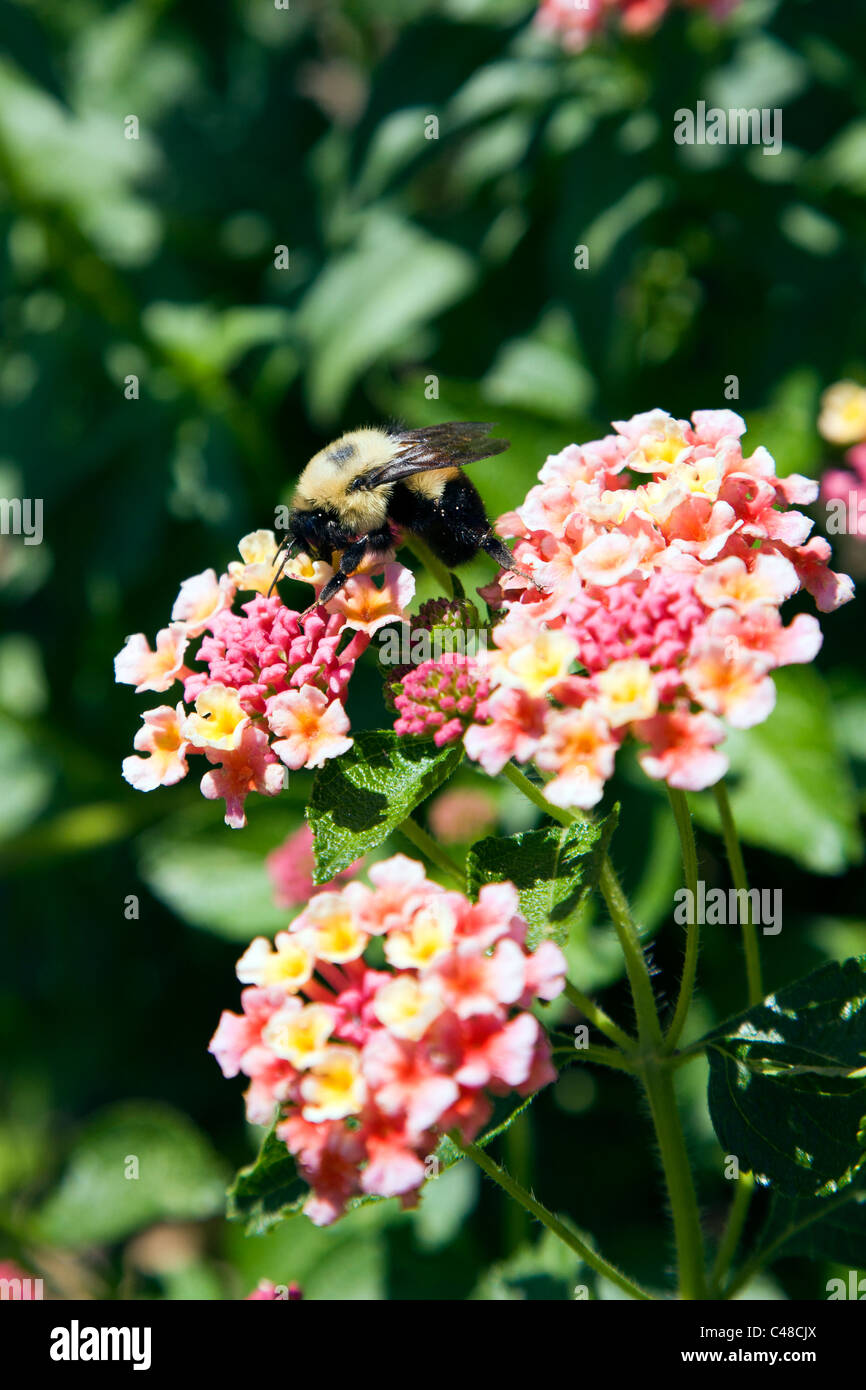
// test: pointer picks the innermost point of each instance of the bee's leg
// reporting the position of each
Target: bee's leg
(378, 541)
(287, 546)
(333, 587)
(499, 551)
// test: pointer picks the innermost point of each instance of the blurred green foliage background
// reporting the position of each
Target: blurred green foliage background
(409, 258)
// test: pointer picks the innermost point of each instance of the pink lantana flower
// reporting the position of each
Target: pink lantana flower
(730, 680)
(843, 493)
(310, 727)
(400, 884)
(732, 584)
(461, 814)
(682, 749)
(578, 747)
(610, 558)
(405, 1082)
(156, 670)
(367, 606)
(367, 1068)
(256, 569)
(27, 1288)
(246, 661)
(251, 766)
(577, 22)
(162, 738)
(848, 486)
(199, 601)
(532, 658)
(574, 25)
(219, 719)
(659, 557)
(514, 725)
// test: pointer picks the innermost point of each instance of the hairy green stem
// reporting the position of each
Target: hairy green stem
(682, 816)
(655, 1072)
(597, 1017)
(659, 1084)
(741, 882)
(648, 1025)
(547, 1218)
(434, 852)
(517, 1142)
(612, 1057)
(745, 1184)
(605, 1056)
(733, 1230)
(534, 794)
(649, 1028)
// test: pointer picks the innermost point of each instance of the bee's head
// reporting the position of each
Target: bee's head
(317, 531)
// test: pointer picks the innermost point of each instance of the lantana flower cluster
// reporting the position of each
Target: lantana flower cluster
(578, 22)
(658, 559)
(441, 697)
(368, 1064)
(269, 689)
(843, 489)
(438, 692)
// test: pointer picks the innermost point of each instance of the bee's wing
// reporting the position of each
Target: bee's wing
(436, 446)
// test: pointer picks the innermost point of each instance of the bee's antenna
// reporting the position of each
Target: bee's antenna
(289, 545)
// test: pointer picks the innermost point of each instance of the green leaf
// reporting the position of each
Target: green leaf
(202, 340)
(213, 877)
(502, 86)
(791, 788)
(621, 218)
(541, 373)
(787, 1088)
(104, 1196)
(23, 683)
(395, 143)
(368, 302)
(345, 1261)
(546, 1271)
(448, 1203)
(553, 870)
(360, 797)
(495, 149)
(821, 1228)
(842, 163)
(267, 1190)
(761, 67)
(219, 887)
(27, 778)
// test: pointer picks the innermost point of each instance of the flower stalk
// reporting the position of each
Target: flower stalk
(738, 874)
(652, 1052)
(682, 816)
(547, 1218)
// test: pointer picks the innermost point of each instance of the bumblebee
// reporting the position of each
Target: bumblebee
(357, 489)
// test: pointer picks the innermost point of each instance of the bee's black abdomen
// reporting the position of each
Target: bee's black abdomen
(453, 524)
